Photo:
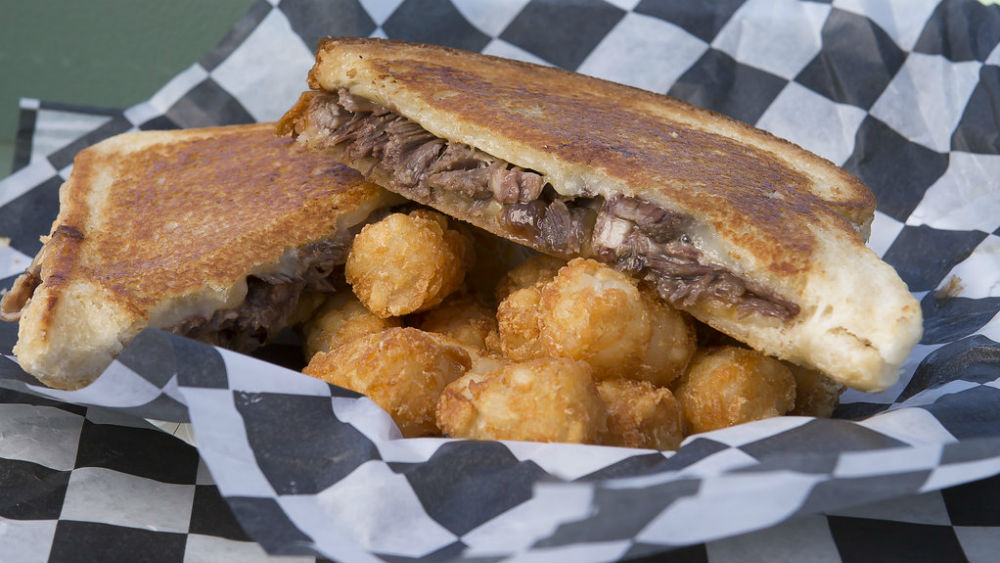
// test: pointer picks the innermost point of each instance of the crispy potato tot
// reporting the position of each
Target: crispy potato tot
(425, 214)
(402, 370)
(594, 313)
(446, 224)
(484, 362)
(536, 270)
(518, 335)
(407, 263)
(641, 415)
(341, 318)
(815, 393)
(671, 344)
(547, 400)
(727, 385)
(461, 317)
(465, 321)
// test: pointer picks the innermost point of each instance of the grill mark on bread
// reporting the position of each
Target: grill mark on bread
(653, 244)
(68, 231)
(180, 237)
(580, 122)
(147, 242)
(15, 300)
(696, 166)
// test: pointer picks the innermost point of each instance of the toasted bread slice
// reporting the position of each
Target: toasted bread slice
(167, 230)
(750, 233)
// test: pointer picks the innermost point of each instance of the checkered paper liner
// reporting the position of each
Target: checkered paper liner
(901, 94)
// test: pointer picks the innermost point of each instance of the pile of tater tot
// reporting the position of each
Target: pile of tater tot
(455, 332)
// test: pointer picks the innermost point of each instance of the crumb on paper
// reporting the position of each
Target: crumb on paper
(4, 241)
(951, 288)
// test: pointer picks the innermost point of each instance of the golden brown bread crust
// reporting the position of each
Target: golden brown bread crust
(196, 206)
(643, 143)
(770, 212)
(156, 225)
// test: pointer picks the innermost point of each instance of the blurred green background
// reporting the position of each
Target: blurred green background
(106, 53)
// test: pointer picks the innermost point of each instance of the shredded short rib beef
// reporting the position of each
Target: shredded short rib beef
(633, 235)
(644, 239)
(271, 299)
(269, 304)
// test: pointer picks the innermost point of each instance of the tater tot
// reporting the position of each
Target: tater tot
(465, 321)
(547, 400)
(533, 271)
(815, 393)
(594, 313)
(461, 317)
(483, 361)
(518, 335)
(341, 318)
(402, 370)
(727, 385)
(407, 263)
(671, 345)
(465, 231)
(641, 415)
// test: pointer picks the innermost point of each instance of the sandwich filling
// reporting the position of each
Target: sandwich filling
(631, 234)
(272, 298)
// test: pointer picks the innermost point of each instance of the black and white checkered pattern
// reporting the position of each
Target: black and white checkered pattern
(91, 484)
(904, 95)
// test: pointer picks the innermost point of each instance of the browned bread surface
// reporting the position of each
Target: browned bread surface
(179, 215)
(765, 191)
(154, 226)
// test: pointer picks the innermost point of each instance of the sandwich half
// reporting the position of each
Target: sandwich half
(212, 233)
(749, 233)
